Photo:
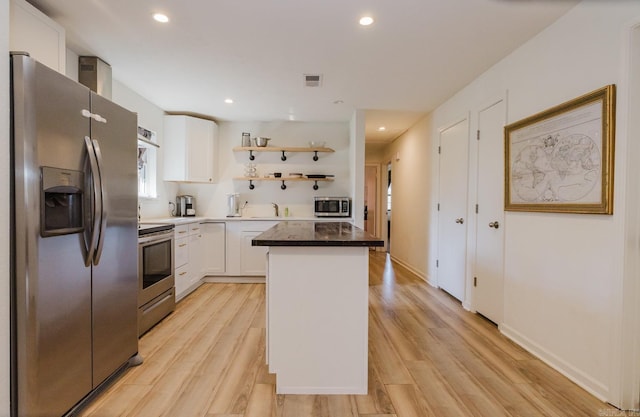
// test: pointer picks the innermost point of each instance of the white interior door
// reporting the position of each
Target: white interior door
(489, 274)
(452, 222)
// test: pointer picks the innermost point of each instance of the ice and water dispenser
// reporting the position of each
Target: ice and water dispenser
(61, 201)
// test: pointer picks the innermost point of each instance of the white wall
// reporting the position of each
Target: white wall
(629, 354)
(150, 117)
(563, 272)
(356, 163)
(4, 211)
(211, 199)
(411, 159)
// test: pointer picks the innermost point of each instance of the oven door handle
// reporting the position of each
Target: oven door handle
(155, 239)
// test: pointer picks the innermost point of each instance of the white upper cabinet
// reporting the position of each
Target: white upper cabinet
(190, 148)
(32, 31)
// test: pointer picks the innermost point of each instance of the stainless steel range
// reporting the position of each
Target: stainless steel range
(156, 295)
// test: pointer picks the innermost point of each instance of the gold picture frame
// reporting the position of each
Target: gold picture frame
(561, 160)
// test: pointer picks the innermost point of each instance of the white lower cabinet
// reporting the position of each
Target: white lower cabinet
(252, 258)
(243, 261)
(196, 257)
(181, 278)
(214, 247)
(188, 258)
(181, 258)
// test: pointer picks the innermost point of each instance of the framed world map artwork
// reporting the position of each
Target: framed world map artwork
(561, 160)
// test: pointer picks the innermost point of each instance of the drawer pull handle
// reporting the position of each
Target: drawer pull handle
(196, 228)
(182, 245)
(182, 273)
(182, 231)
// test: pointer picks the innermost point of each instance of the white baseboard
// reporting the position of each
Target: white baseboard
(235, 280)
(594, 387)
(411, 269)
(321, 390)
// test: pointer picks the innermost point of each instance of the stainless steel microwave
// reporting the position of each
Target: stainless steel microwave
(332, 206)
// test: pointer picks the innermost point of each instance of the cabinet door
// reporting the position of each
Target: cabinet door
(232, 247)
(199, 150)
(252, 258)
(190, 149)
(32, 31)
(213, 242)
(196, 257)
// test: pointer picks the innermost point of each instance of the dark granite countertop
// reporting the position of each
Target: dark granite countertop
(311, 233)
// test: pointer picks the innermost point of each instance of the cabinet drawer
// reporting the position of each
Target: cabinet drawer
(195, 228)
(182, 279)
(181, 252)
(181, 231)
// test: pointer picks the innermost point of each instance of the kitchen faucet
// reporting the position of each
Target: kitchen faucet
(275, 206)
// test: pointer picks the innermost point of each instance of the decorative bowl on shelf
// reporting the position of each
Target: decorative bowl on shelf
(316, 144)
(261, 142)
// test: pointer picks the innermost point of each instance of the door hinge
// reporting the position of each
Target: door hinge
(475, 281)
(476, 209)
(478, 134)
(439, 149)
(437, 263)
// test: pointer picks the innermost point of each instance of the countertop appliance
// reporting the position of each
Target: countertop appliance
(332, 206)
(233, 205)
(74, 270)
(156, 286)
(185, 206)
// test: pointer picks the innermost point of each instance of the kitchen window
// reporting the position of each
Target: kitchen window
(147, 163)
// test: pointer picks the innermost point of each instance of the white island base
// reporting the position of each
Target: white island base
(317, 319)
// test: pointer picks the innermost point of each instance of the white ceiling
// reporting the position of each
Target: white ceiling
(415, 55)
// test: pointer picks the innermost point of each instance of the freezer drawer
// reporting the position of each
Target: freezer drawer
(155, 310)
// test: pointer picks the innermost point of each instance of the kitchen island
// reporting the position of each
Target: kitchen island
(317, 306)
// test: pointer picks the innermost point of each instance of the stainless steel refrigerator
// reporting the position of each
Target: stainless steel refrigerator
(74, 240)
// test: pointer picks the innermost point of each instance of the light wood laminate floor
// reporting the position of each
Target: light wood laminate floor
(427, 357)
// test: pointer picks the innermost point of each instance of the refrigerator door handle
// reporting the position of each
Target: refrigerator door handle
(103, 205)
(91, 241)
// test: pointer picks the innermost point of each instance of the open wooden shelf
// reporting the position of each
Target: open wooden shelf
(283, 180)
(283, 149)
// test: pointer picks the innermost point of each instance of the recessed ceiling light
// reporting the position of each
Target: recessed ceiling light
(228, 101)
(366, 20)
(159, 17)
(382, 129)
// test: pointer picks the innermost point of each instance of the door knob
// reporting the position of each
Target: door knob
(460, 220)
(495, 224)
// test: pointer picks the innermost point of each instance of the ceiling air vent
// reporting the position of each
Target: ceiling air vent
(312, 80)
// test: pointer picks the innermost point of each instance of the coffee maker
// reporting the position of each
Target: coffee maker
(185, 206)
